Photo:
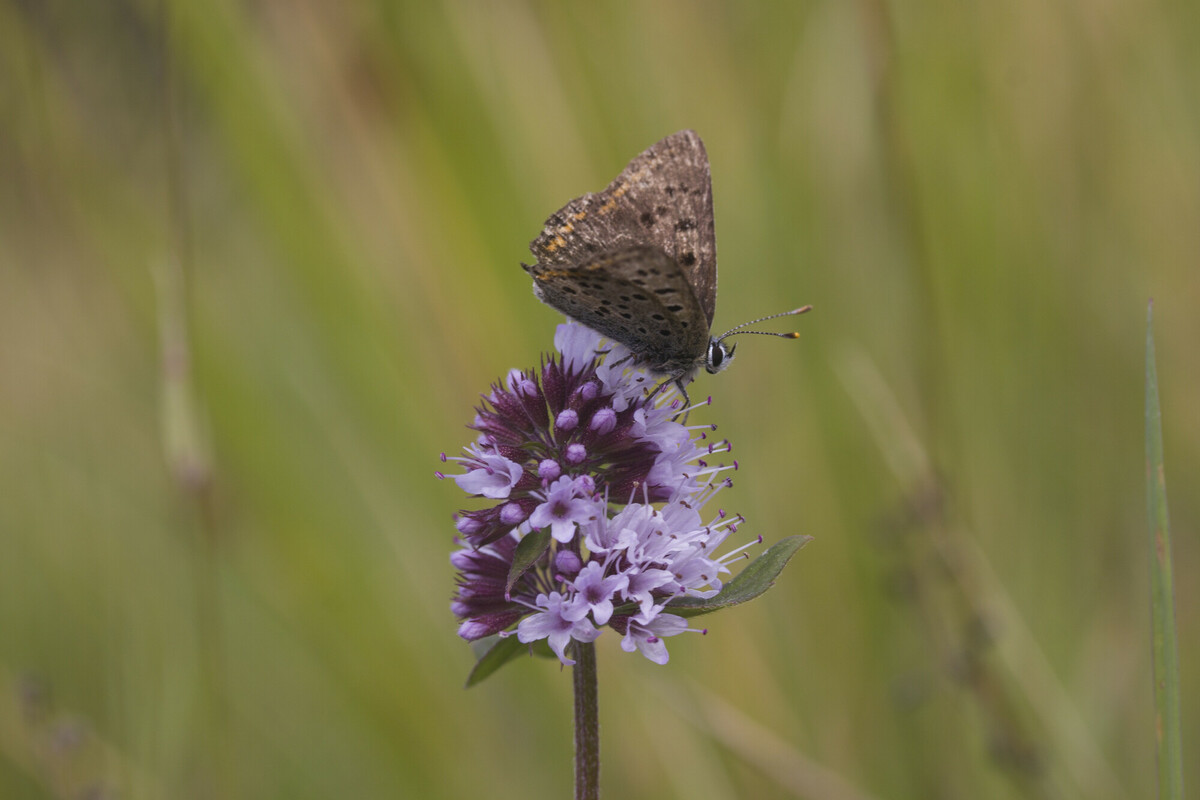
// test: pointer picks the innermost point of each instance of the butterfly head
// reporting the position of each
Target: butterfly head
(718, 356)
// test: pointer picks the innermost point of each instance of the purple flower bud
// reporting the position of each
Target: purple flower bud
(576, 453)
(512, 514)
(467, 526)
(568, 563)
(604, 421)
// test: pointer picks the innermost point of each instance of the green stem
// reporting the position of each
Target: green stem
(587, 723)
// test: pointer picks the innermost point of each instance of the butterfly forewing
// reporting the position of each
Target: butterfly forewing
(662, 199)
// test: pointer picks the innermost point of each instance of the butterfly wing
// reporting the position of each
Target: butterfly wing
(662, 199)
(637, 296)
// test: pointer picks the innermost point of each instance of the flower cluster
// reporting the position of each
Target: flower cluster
(598, 493)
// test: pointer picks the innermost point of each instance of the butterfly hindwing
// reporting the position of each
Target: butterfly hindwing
(637, 296)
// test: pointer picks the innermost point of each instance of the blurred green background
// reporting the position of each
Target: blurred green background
(259, 259)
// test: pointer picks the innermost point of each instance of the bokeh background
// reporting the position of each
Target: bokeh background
(259, 259)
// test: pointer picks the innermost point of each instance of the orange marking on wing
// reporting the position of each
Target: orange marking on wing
(620, 191)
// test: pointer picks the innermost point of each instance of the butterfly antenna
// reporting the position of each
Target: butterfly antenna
(737, 330)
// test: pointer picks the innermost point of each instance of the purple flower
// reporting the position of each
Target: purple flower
(647, 637)
(565, 506)
(494, 477)
(560, 620)
(642, 585)
(588, 448)
(596, 591)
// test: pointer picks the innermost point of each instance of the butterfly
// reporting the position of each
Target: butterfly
(637, 262)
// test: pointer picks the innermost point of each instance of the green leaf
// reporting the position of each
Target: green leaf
(529, 550)
(496, 651)
(758, 576)
(500, 651)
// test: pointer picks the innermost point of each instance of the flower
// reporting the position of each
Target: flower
(562, 619)
(495, 477)
(647, 637)
(595, 591)
(568, 502)
(591, 460)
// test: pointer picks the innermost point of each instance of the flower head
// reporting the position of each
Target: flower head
(588, 457)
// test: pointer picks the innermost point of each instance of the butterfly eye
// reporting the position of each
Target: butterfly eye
(718, 356)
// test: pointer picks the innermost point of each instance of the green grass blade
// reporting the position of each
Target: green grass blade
(1166, 655)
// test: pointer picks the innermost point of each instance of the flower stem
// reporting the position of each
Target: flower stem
(587, 723)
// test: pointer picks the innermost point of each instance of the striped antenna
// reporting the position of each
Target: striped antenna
(737, 331)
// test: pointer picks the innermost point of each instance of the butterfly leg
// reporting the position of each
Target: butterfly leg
(679, 384)
(687, 401)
